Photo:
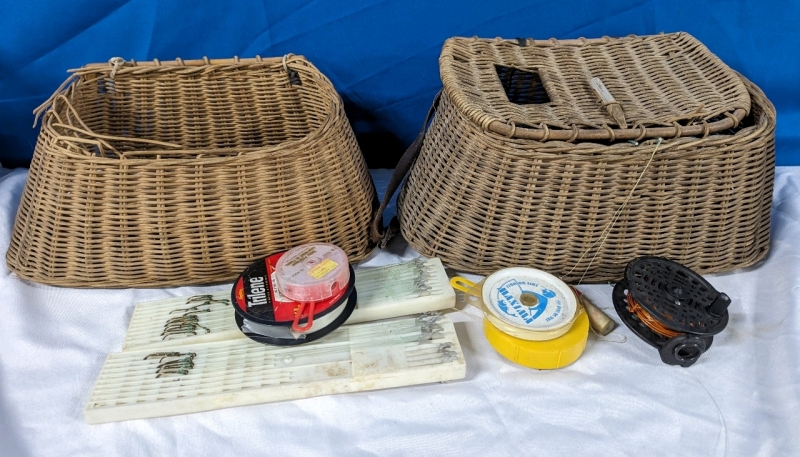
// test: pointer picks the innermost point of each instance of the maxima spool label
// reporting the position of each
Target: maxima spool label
(529, 299)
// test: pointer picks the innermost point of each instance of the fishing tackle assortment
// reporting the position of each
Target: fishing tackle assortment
(151, 321)
(671, 308)
(177, 362)
(413, 287)
(296, 302)
(367, 356)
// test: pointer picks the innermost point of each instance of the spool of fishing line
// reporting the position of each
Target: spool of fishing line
(525, 303)
(671, 308)
(312, 272)
(266, 315)
(542, 355)
(531, 317)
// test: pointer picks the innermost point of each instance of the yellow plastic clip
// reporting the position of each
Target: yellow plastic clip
(462, 284)
(473, 292)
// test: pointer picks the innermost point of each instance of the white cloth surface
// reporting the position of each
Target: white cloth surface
(742, 398)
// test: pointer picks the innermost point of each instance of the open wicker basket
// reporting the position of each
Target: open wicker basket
(525, 164)
(183, 172)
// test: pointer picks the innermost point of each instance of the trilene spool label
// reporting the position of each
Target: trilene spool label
(256, 297)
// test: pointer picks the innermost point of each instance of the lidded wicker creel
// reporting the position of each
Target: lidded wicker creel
(184, 172)
(577, 156)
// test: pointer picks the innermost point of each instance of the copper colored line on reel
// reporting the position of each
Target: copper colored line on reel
(635, 308)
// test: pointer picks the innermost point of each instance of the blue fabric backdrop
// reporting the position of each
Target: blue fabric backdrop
(380, 55)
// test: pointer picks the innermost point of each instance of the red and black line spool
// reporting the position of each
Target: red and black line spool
(327, 297)
(671, 308)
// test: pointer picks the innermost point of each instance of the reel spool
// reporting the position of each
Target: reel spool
(264, 314)
(531, 317)
(525, 303)
(670, 307)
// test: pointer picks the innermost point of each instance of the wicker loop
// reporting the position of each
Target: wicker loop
(611, 134)
(116, 63)
(677, 130)
(486, 123)
(513, 129)
(283, 62)
(574, 136)
(643, 132)
(546, 129)
(705, 129)
(41, 109)
(734, 118)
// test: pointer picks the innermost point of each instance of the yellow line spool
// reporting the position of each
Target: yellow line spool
(524, 302)
(542, 355)
(546, 333)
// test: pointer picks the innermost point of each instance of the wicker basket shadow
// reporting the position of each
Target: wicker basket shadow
(152, 174)
(519, 171)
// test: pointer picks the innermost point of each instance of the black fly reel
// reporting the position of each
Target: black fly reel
(670, 307)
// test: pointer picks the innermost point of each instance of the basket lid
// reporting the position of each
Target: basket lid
(628, 88)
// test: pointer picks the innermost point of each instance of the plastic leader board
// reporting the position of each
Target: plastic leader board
(413, 287)
(145, 383)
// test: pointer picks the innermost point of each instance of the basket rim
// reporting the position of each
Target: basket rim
(178, 64)
(46, 110)
(277, 150)
(510, 130)
(763, 113)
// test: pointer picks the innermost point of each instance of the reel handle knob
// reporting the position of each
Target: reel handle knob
(719, 305)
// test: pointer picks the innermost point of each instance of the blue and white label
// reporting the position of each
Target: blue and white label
(530, 302)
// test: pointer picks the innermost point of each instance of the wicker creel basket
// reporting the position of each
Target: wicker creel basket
(184, 172)
(525, 163)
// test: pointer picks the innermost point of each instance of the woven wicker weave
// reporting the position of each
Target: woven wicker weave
(184, 172)
(483, 198)
(660, 80)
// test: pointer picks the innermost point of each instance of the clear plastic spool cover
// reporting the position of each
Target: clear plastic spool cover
(312, 272)
(529, 299)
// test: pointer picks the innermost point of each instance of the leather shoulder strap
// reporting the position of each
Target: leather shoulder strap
(377, 233)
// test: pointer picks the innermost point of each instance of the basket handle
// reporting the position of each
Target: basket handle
(377, 233)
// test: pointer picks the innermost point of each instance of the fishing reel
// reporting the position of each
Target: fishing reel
(671, 308)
